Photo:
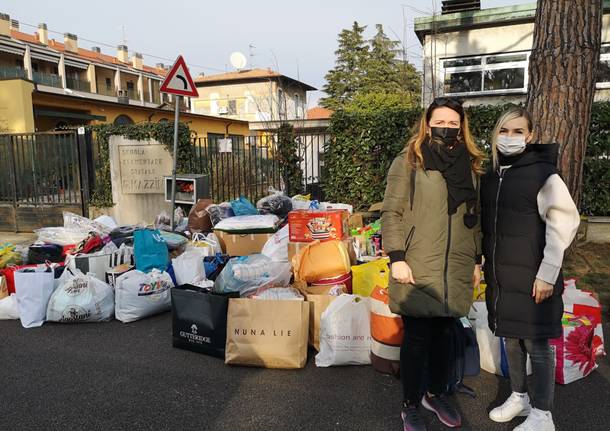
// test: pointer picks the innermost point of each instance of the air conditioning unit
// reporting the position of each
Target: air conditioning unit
(223, 110)
(123, 97)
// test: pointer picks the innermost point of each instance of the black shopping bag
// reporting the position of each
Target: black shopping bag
(199, 320)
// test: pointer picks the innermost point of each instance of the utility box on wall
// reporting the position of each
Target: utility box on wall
(189, 188)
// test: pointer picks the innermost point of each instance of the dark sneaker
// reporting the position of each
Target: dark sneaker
(446, 413)
(412, 419)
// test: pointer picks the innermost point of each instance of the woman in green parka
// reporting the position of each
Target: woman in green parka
(431, 232)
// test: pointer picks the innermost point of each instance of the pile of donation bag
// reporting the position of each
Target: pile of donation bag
(255, 285)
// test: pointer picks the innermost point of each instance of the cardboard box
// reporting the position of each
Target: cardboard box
(376, 207)
(355, 221)
(295, 247)
(311, 225)
(242, 244)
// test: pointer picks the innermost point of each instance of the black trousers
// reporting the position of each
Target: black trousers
(542, 355)
(424, 356)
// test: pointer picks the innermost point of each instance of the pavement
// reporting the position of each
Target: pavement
(115, 376)
(21, 238)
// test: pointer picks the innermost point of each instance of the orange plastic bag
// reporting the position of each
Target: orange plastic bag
(320, 260)
(386, 333)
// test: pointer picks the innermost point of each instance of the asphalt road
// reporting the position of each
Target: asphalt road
(114, 376)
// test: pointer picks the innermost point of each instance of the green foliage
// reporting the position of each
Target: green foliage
(162, 132)
(596, 169)
(365, 143)
(369, 132)
(289, 160)
(369, 67)
(345, 79)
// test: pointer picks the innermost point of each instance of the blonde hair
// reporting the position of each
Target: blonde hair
(511, 114)
(413, 147)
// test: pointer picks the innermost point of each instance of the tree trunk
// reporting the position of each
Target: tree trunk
(562, 72)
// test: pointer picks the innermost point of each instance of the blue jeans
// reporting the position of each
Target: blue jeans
(542, 357)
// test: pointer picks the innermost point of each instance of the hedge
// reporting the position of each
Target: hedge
(364, 144)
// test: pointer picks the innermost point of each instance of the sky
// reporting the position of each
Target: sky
(296, 39)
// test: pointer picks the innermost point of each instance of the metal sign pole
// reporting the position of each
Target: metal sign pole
(176, 116)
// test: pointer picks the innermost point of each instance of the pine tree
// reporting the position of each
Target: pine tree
(345, 79)
(382, 73)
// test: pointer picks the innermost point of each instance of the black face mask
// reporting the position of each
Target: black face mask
(447, 135)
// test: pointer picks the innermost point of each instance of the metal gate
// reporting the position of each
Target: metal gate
(249, 166)
(40, 177)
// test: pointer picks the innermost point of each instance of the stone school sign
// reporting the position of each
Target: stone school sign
(137, 169)
(143, 167)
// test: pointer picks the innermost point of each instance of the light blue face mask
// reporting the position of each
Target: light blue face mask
(511, 145)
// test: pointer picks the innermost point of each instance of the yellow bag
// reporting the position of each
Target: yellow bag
(320, 260)
(3, 287)
(9, 256)
(368, 275)
(479, 292)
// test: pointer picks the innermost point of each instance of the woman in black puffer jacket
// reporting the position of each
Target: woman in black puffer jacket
(528, 219)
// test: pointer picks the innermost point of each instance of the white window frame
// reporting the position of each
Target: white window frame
(603, 57)
(483, 67)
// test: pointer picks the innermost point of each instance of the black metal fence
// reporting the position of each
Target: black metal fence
(248, 166)
(40, 176)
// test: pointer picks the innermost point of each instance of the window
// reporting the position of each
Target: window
(298, 108)
(498, 73)
(108, 84)
(504, 79)
(603, 69)
(130, 85)
(122, 120)
(232, 107)
(281, 101)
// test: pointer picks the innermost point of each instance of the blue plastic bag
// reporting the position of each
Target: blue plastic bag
(150, 250)
(243, 206)
(213, 265)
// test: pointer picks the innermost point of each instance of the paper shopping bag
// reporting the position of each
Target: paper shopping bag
(267, 333)
(199, 320)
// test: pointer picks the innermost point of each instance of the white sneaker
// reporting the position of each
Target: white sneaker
(538, 420)
(516, 405)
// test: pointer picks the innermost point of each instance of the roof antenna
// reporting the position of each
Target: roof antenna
(251, 54)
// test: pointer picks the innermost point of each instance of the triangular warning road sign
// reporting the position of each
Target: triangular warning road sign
(178, 80)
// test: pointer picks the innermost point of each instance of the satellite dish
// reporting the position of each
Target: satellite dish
(238, 60)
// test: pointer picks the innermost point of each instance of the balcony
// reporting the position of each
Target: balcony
(7, 72)
(156, 98)
(106, 91)
(133, 94)
(78, 85)
(50, 79)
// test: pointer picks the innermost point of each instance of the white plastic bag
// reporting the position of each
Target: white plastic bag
(251, 274)
(280, 294)
(188, 267)
(138, 295)
(276, 247)
(107, 221)
(33, 289)
(490, 349)
(248, 222)
(78, 222)
(61, 235)
(345, 332)
(81, 298)
(8, 308)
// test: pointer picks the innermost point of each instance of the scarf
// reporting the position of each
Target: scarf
(455, 167)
